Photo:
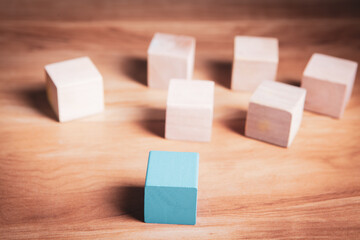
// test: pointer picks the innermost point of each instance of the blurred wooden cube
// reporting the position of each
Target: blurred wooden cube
(170, 56)
(74, 88)
(275, 113)
(255, 60)
(329, 82)
(189, 110)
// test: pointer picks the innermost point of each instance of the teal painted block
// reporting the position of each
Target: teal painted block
(171, 187)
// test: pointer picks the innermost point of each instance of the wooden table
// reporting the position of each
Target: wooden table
(84, 179)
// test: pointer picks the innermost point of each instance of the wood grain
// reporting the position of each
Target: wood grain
(84, 179)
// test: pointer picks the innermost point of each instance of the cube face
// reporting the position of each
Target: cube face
(188, 124)
(268, 124)
(255, 60)
(247, 75)
(275, 113)
(51, 93)
(170, 56)
(73, 105)
(74, 88)
(324, 97)
(171, 187)
(189, 111)
(329, 82)
(170, 205)
(296, 119)
(161, 69)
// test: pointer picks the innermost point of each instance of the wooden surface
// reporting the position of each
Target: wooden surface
(84, 179)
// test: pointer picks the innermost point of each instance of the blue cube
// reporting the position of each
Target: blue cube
(171, 187)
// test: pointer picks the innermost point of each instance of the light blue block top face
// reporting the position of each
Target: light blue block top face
(172, 169)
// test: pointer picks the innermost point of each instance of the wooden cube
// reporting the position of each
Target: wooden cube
(189, 110)
(170, 56)
(171, 187)
(74, 88)
(255, 60)
(329, 82)
(275, 113)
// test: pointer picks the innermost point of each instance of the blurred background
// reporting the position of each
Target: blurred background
(108, 29)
